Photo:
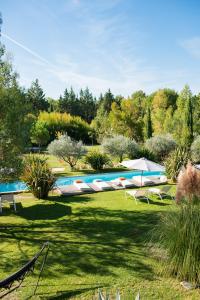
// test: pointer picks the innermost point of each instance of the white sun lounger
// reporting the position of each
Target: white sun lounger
(162, 192)
(103, 185)
(142, 180)
(137, 195)
(82, 186)
(124, 182)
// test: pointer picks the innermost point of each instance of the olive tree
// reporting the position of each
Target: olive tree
(119, 146)
(67, 149)
(161, 145)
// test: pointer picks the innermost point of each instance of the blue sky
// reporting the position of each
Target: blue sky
(124, 45)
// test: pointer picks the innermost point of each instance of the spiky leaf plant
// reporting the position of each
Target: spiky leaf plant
(176, 161)
(38, 176)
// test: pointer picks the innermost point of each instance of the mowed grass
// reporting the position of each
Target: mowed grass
(81, 168)
(96, 240)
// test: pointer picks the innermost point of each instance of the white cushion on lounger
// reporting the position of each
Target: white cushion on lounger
(101, 184)
(82, 186)
(124, 182)
(143, 179)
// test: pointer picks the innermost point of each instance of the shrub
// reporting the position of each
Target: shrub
(74, 126)
(120, 146)
(40, 134)
(179, 235)
(176, 161)
(144, 152)
(188, 187)
(161, 145)
(195, 150)
(178, 231)
(97, 160)
(38, 176)
(67, 149)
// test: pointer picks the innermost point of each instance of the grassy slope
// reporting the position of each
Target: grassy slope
(96, 240)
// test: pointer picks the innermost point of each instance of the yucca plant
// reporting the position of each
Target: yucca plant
(178, 232)
(38, 176)
(175, 161)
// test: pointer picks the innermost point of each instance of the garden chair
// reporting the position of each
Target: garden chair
(162, 193)
(7, 198)
(138, 195)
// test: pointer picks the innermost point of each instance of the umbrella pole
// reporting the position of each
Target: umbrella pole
(141, 178)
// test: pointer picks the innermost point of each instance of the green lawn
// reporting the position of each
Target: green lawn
(81, 168)
(97, 240)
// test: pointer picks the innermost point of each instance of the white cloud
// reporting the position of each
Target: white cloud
(192, 46)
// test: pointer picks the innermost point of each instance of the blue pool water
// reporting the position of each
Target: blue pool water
(21, 186)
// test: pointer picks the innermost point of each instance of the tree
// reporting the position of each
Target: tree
(148, 131)
(87, 105)
(13, 127)
(40, 134)
(161, 145)
(69, 102)
(127, 119)
(106, 101)
(67, 149)
(120, 146)
(163, 101)
(53, 104)
(183, 119)
(36, 98)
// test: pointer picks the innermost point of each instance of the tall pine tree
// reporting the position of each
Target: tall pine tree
(36, 98)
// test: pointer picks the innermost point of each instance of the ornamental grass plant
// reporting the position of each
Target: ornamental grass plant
(178, 232)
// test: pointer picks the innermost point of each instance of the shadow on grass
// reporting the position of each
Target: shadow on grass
(49, 211)
(93, 240)
(69, 293)
(70, 199)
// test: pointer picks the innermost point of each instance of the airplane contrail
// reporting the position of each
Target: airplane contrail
(26, 49)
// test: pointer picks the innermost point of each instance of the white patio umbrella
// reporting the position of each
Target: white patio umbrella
(142, 164)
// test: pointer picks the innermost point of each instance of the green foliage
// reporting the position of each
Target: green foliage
(163, 105)
(178, 234)
(36, 98)
(13, 122)
(160, 146)
(195, 150)
(38, 176)
(148, 130)
(10, 159)
(75, 127)
(67, 149)
(40, 134)
(175, 161)
(144, 152)
(183, 118)
(119, 146)
(82, 105)
(105, 102)
(127, 118)
(96, 160)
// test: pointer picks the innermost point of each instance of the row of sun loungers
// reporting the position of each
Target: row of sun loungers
(97, 185)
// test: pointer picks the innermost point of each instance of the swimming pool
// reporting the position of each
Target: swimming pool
(21, 186)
